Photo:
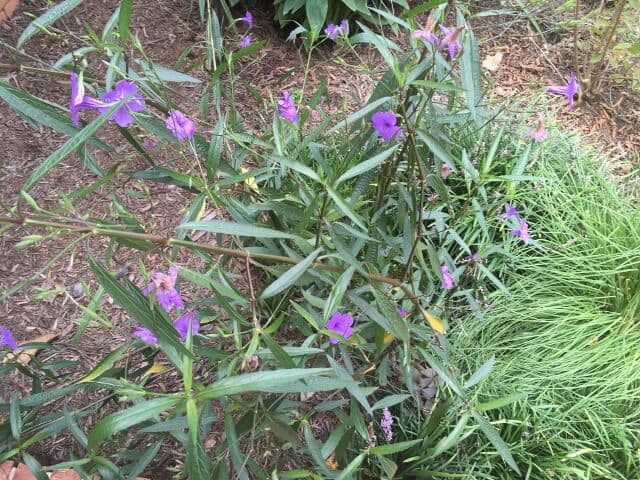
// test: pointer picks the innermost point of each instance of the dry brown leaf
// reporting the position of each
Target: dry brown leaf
(66, 474)
(25, 356)
(492, 62)
(5, 469)
(7, 7)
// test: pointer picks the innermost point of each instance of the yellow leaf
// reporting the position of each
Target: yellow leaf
(251, 181)
(331, 462)
(155, 368)
(433, 321)
(388, 338)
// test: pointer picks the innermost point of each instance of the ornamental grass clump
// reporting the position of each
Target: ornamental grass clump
(316, 267)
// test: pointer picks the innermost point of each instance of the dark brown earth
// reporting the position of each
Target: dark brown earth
(166, 29)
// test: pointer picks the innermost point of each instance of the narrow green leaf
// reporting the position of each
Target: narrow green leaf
(389, 401)
(365, 166)
(496, 440)
(236, 229)
(344, 208)
(316, 13)
(255, 382)
(56, 12)
(364, 111)
(500, 402)
(394, 447)
(105, 364)
(15, 418)
(72, 144)
(453, 437)
(481, 373)
(127, 418)
(124, 19)
(350, 469)
(290, 276)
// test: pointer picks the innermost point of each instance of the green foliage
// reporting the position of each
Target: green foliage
(564, 339)
(325, 217)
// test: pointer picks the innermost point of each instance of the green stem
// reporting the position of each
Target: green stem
(231, 252)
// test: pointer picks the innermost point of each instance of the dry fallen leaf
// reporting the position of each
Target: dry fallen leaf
(7, 7)
(492, 62)
(25, 356)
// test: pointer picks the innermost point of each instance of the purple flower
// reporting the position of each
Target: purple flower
(145, 335)
(164, 285)
(450, 40)
(539, 133)
(386, 424)
(7, 338)
(385, 124)
(287, 107)
(402, 312)
(510, 211)
(522, 231)
(181, 324)
(569, 90)
(77, 95)
(447, 279)
(247, 19)
(340, 323)
(473, 257)
(445, 171)
(122, 116)
(179, 125)
(246, 41)
(334, 31)
(426, 33)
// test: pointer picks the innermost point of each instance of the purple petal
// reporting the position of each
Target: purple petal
(182, 323)
(7, 338)
(122, 117)
(145, 335)
(340, 323)
(447, 279)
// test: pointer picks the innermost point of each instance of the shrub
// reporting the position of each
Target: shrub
(342, 250)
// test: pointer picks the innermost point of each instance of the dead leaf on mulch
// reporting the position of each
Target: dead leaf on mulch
(492, 62)
(8, 471)
(25, 356)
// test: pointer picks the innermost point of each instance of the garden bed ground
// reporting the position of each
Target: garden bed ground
(166, 29)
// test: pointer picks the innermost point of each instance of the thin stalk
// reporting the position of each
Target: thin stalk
(231, 252)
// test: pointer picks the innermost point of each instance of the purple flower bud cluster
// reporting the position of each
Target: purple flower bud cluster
(386, 424)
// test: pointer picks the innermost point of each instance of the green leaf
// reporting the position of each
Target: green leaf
(124, 19)
(365, 166)
(470, 73)
(382, 320)
(290, 276)
(255, 382)
(15, 418)
(442, 372)
(394, 447)
(127, 418)
(349, 470)
(389, 401)
(46, 19)
(496, 440)
(364, 111)
(105, 364)
(72, 144)
(317, 13)
(500, 402)
(236, 229)
(481, 373)
(453, 437)
(344, 208)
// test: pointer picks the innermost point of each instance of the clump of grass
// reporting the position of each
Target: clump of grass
(567, 335)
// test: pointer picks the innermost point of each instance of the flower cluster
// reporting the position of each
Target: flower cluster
(287, 107)
(132, 101)
(522, 229)
(334, 31)
(247, 19)
(450, 36)
(168, 298)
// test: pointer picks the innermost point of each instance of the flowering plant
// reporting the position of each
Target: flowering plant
(333, 262)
